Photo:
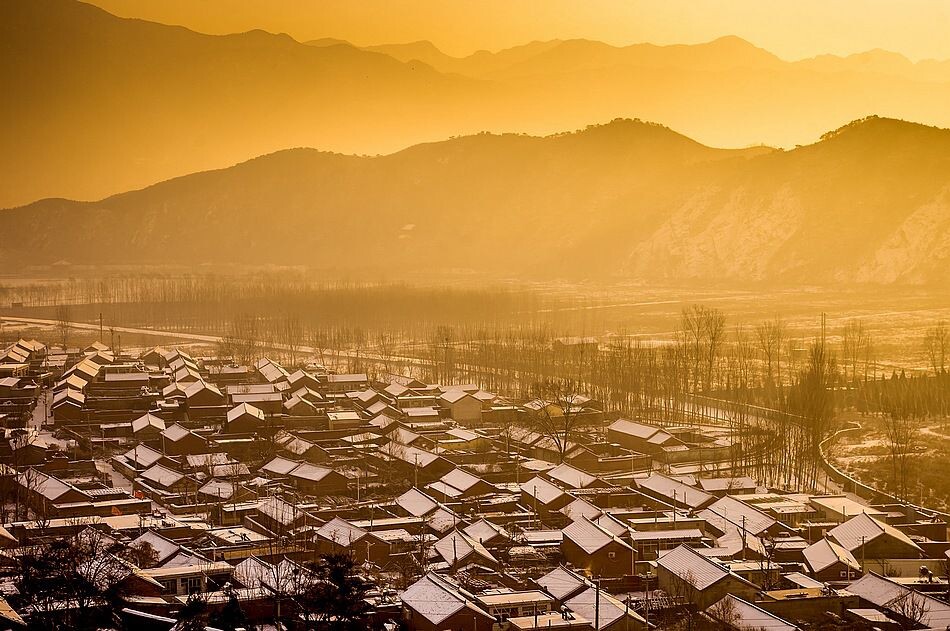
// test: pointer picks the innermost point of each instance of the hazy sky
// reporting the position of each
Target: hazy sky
(792, 29)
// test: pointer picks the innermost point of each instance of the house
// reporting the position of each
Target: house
(581, 508)
(434, 603)
(68, 405)
(339, 535)
(299, 447)
(138, 459)
(487, 533)
(279, 516)
(721, 487)
(505, 603)
(416, 503)
(271, 403)
(316, 480)
(744, 516)
(641, 438)
(461, 438)
(699, 581)
(418, 462)
(593, 548)
(737, 614)
(573, 478)
(298, 406)
(830, 562)
(162, 478)
(540, 495)
(901, 602)
(459, 484)
(43, 491)
(868, 538)
(200, 394)
(283, 577)
(650, 544)
(839, 508)
(563, 583)
(148, 428)
(279, 467)
(301, 379)
(271, 371)
(28, 448)
(154, 357)
(346, 383)
(442, 520)
(605, 612)
(458, 550)
(462, 407)
(178, 440)
(244, 418)
(674, 492)
(216, 490)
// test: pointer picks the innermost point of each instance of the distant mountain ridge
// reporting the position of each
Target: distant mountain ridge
(104, 104)
(627, 200)
(720, 54)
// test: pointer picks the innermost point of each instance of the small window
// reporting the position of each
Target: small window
(611, 555)
(194, 584)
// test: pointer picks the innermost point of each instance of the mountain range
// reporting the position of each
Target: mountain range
(869, 202)
(99, 104)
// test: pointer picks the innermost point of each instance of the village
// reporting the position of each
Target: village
(181, 490)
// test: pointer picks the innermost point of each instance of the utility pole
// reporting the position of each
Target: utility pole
(646, 610)
(743, 538)
(863, 554)
(597, 604)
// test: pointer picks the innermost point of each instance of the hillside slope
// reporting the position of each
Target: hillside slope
(869, 203)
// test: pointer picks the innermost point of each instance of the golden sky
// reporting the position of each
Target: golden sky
(792, 29)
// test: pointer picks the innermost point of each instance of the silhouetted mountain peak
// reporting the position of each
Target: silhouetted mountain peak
(880, 128)
(323, 42)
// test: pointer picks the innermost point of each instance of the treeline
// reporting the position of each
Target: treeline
(210, 303)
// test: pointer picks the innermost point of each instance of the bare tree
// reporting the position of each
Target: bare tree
(901, 430)
(855, 342)
(769, 337)
(702, 332)
(814, 398)
(937, 343)
(62, 323)
(556, 415)
(912, 607)
(291, 335)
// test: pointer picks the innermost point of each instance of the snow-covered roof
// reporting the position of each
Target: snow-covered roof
(148, 420)
(435, 599)
(457, 547)
(862, 529)
(245, 409)
(341, 532)
(416, 503)
(607, 611)
(692, 567)
(562, 583)
(887, 594)
(824, 553)
(571, 476)
(590, 537)
(744, 616)
(542, 490)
